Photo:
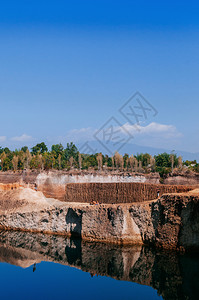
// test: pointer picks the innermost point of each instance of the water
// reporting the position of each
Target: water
(73, 269)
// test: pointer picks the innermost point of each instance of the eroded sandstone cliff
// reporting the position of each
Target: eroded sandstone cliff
(126, 192)
(169, 222)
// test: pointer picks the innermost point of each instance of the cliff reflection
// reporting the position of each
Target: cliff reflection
(174, 276)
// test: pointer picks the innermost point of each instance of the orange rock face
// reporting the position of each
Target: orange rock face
(8, 187)
(110, 193)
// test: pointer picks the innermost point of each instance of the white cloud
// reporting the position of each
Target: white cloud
(2, 138)
(23, 138)
(153, 129)
(153, 134)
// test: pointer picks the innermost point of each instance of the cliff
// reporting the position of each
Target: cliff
(59, 177)
(112, 193)
(169, 222)
(85, 186)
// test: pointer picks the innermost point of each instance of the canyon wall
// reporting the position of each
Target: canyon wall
(188, 179)
(84, 186)
(169, 222)
(61, 177)
(9, 186)
(115, 192)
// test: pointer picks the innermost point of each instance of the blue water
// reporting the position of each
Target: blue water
(54, 281)
(37, 266)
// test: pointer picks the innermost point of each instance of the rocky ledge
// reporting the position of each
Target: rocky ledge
(169, 222)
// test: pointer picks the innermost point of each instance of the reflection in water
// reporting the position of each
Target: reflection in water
(174, 276)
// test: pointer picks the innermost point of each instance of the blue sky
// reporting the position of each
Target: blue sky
(66, 67)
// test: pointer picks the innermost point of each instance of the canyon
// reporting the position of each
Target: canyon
(168, 221)
(108, 187)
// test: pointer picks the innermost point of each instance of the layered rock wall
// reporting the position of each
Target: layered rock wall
(188, 179)
(8, 187)
(112, 193)
(169, 222)
(82, 186)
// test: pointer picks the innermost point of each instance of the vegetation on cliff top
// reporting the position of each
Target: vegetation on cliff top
(39, 157)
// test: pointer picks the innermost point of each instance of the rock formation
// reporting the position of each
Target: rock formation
(112, 193)
(169, 222)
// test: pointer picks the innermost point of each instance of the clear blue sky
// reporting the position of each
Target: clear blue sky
(67, 66)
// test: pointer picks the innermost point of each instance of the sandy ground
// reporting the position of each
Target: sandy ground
(194, 193)
(28, 200)
(25, 199)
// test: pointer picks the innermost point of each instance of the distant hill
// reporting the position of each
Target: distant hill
(134, 149)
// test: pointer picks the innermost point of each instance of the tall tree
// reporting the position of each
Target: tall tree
(59, 161)
(136, 164)
(121, 162)
(71, 150)
(41, 161)
(27, 159)
(140, 166)
(80, 160)
(152, 163)
(39, 148)
(2, 157)
(117, 160)
(113, 163)
(71, 159)
(15, 163)
(24, 148)
(180, 164)
(132, 162)
(99, 161)
(57, 149)
(172, 161)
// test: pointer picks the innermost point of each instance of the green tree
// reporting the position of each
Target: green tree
(126, 160)
(21, 157)
(3, 157)
(7, 150)
(49, 160)
(144, 158)
(71, 150)
(57, 150)
(59, 161)
(39, 148)
(196, 168)
(164, 163)
(163, 160)
(24, 148)
(6, 164)
(1, 150)
(89, 161)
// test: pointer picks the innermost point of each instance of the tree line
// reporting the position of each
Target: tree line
(60, 158)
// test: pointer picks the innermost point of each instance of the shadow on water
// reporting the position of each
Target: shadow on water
(174, 276)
